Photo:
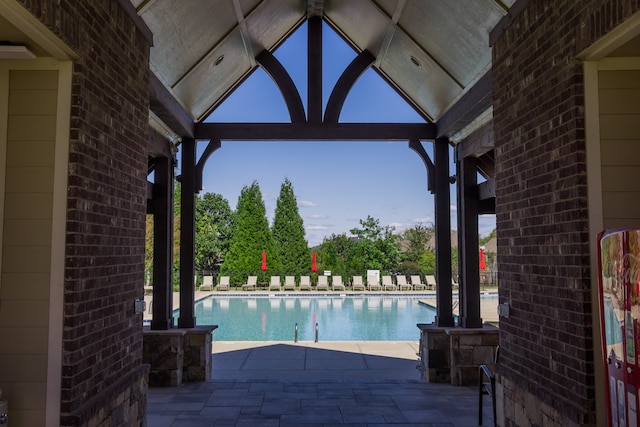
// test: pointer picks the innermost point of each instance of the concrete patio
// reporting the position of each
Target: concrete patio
(315, 384)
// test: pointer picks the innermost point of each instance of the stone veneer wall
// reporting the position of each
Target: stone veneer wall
(102, 341)
(546, 368)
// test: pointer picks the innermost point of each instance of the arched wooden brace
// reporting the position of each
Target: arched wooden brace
(416, 146)
(212, 146)
(344, 84)
(283, 80)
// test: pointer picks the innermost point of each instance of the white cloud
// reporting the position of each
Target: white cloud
(318, 216)
(317, 227)
(307, 204)
(453, 207)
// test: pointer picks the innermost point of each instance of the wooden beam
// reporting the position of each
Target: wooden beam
(315, 131)
(165, 106)
(137, 20)
(479, 142)
(287, 87)
(344, 84)
(417, 146)
(158, 146)
(507, 20)
(314, 69)
(487, 190)
(476, 100)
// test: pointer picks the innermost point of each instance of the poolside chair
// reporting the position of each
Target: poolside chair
(357, 283)
(252, 281)
(323, 283)
(305, 283)
(401, 281)
(289, 283)
(417, 284)
(275, 284)
(223, 284)
(373, 284)
(207, 283)
(387, 283)
(336, 283)
(431, 281)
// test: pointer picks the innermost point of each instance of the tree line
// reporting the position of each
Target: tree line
(232, 242)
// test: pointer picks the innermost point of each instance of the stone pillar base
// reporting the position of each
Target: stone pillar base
(177, 355)
(454, 355)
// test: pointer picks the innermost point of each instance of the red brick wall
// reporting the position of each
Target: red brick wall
(541, 203)
(106, 197)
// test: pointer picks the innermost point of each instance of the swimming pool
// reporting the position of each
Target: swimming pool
(339, 317)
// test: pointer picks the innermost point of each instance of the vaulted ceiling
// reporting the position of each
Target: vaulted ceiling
(431, 51)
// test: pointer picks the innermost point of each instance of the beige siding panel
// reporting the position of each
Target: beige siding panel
(620, 126)
(616, 101)
(25, 396)
(24, 314)
(621, 205)
(619, 79)
(33, 102)
(31, 128)
(623, 152)
(29, 180)
(22, 367)
(25, 285)
(31, 153)
(20, 232)
(34, 80)
(26, 258)
(621, 178)
(32, 341)
(621, 223)
(28, 206)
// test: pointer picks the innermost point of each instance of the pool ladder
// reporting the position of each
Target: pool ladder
(295, 337)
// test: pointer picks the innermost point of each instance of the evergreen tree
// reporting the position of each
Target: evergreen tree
(292, 249)
(251, 236)
(214, 220)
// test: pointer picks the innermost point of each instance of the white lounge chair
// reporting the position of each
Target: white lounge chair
(417, 284)
(373, 284)
(387, 283)
(275, 284)
(223, 284)
(323, 283)
(252, 281)
(289, 283)
(357, 284)
(431, 281)
(401, 281)
(305, 283)
(207, 283)
(336, 283)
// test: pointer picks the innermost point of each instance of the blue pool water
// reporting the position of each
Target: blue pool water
(339, 318)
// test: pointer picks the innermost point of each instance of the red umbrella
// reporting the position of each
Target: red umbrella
(314, 267)
(264, 260)
(483, 265)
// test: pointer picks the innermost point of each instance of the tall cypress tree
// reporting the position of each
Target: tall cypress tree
(251, 236)
(288, 233)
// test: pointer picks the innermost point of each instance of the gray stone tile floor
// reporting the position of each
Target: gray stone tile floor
(315, 384)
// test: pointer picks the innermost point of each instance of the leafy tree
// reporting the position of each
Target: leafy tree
(292, 249)
(148, 251)
(338, 253)
(177, 191)
(417, 238)
(250, 236)
(214, 220)
(379, 245)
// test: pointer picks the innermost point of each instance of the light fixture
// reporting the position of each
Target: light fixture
(415, 61)
(9, 50)
(218, 60)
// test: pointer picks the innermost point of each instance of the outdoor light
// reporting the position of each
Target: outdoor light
(11, 51)
(415, 61)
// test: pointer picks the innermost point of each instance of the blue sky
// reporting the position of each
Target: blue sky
(336, 183)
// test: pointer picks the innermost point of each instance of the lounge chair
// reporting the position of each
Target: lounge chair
(373, 284)
(417, 284)
(305, 283)
(357, 283)
(401, 281)
(323, 283)
(223, 284)
(387, 283)
(252, 281)
(289, 283)
(431, 281)
(207, 283)
(336, 283)
(275, 284)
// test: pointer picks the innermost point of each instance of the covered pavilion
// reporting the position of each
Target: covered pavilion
(539, 98)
